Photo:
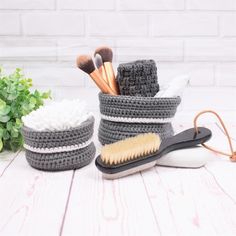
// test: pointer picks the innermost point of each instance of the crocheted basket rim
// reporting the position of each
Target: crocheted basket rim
(137, 98)
(138, 107)
(85, 123)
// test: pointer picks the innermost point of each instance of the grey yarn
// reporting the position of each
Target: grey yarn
(129, 102)
(64, 160)
(116, 131)
(131, 113)
(61, 161)
(135, 107)
(110, 132)
(51, 139)
(138, 107)
(138, 78)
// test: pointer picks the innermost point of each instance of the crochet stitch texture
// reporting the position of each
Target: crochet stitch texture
(142, 108)
(55, 160)
(138, 78)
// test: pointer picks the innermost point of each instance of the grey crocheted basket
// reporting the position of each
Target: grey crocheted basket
(138, 78)
(62, 159)
(48, 139)
(110, 132)
(127, 116)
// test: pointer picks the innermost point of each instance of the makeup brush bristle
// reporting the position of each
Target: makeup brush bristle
(106, 53)
(129, 149)
(85, 63)
(98, 60)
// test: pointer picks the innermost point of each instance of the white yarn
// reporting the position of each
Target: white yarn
(136, 120)
(55, 116)
(59, 149)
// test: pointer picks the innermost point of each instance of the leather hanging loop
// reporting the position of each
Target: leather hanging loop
(232, 156)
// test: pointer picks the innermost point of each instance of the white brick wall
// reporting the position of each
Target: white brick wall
(217, 50)
(228, 24)
(86, 5)
(9, 24)
(151, 5)
(195, 37)
(27, 4)
(146, 48)
(184, 24)
(220, 5)
(118, 25)
(49, 24)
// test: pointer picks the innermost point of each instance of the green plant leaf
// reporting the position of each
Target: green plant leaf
(18, 123)
(5, 110)
(33, 100)
(1, 133)
(16, 100)
(46, 95)
(15, 143)
(13, 95)
(1, 145)
(6, 135)
(4, 118)
(2, 104)
(9, 125)
(14, 132)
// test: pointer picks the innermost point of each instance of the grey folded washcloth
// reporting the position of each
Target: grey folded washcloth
(138, 78)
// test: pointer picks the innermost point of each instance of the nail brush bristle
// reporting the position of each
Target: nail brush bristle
(130, 149)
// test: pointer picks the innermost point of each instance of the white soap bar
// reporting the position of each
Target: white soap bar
(195, 157)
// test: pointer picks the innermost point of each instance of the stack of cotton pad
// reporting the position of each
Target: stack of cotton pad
(138, 78)
(59, 136)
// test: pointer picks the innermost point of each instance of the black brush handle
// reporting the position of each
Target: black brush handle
(186, 139)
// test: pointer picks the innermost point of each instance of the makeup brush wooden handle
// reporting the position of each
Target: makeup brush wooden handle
(103, 73)
(111, 77)
(102, 85)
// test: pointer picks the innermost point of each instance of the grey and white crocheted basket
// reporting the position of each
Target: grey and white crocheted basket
(60, 150)
(61, 161)
(110, 132)
(126, 116)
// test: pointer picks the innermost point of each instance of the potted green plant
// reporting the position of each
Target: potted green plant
(16, 100)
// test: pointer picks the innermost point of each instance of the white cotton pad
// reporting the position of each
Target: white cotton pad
(56, 116)
(195, 157)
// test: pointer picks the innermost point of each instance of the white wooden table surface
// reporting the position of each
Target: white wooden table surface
(159, 201)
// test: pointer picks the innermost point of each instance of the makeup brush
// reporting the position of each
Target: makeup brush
(99, 64)
(107, 55)
(85, 63)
